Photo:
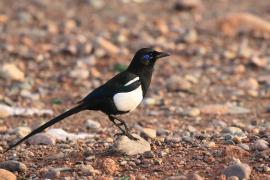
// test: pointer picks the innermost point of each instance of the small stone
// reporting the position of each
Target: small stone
(232, 130)
(249, 84)
(123, 163)
(193, 112)
(232, 109)
(258, 61)
(109, 166)
(176, 83)
(260, 145)
(52, 174)
(214, 109)
(4, 111)
(162, 26)
(150, 101)
(233, 178)
(240, 170)
(149, 154)
(11, 71)
(195, 177)
(90, 124)
(244, 146)
(88, 170)
(152, 133)
(42, 138)
(60, 134)
(79, 74)
(190, 36)
(108, 46)
(22, 131)
(210, 144)
(13, 166)
(6, 175)
(182, 177)
(187, 5)
(130, 147)
(3, 129)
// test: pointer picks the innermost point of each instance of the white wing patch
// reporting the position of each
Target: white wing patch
(128, 101)
(132, 81)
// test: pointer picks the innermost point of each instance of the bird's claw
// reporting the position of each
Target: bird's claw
(131, 137)
(126, 134)
(119, 134)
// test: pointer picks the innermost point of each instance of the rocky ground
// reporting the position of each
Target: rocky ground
(206, 115)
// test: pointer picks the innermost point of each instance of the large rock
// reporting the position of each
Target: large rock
(130, 147)
(6, 175)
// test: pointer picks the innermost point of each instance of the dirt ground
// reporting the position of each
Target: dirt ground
(208, 102)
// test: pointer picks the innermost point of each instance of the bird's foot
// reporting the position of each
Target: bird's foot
(131, 137)
(119, 134)
(126, 134)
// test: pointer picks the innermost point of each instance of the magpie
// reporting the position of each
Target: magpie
(120, 95)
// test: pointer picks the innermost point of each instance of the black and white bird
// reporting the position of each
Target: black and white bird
(120, 95)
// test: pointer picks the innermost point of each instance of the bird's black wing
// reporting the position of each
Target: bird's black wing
(113, 86)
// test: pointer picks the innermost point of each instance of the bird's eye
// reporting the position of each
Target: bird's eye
(146, 57)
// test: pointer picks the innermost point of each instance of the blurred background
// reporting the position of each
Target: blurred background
(215, 85)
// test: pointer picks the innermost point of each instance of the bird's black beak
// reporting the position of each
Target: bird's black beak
(161, 54)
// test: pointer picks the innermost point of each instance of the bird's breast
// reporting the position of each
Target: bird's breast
(128, 101)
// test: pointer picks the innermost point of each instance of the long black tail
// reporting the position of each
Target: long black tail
(58, 118)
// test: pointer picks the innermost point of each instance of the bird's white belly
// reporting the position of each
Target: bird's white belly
(128, 101)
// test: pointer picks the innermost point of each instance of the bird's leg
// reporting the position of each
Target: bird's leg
(122, 123)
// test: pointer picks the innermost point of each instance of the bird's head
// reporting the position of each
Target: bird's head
(146, 57)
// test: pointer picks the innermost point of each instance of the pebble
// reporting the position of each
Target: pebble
(22, 131)
(260, 144)
(244, 146)
(258, 61)
(232, 109)
(210, 144)
(181, 177)
(176, 83)
(151, 133)
(60, 134)
(7, 175)
(249, 84)
(190, 36)
(187, 5)
(240, 170)
(12, 72)
(195, 177)
(52, 174)
(80, 73)
(232, 130)
(109, 166)
(13, 166)
(88, 170)
(150, 101)
(149, 154)
(42, 138)
(218, 109)
(4, 111)
(90, 124)
(193, 112)
(108, 46)
(130, 147)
